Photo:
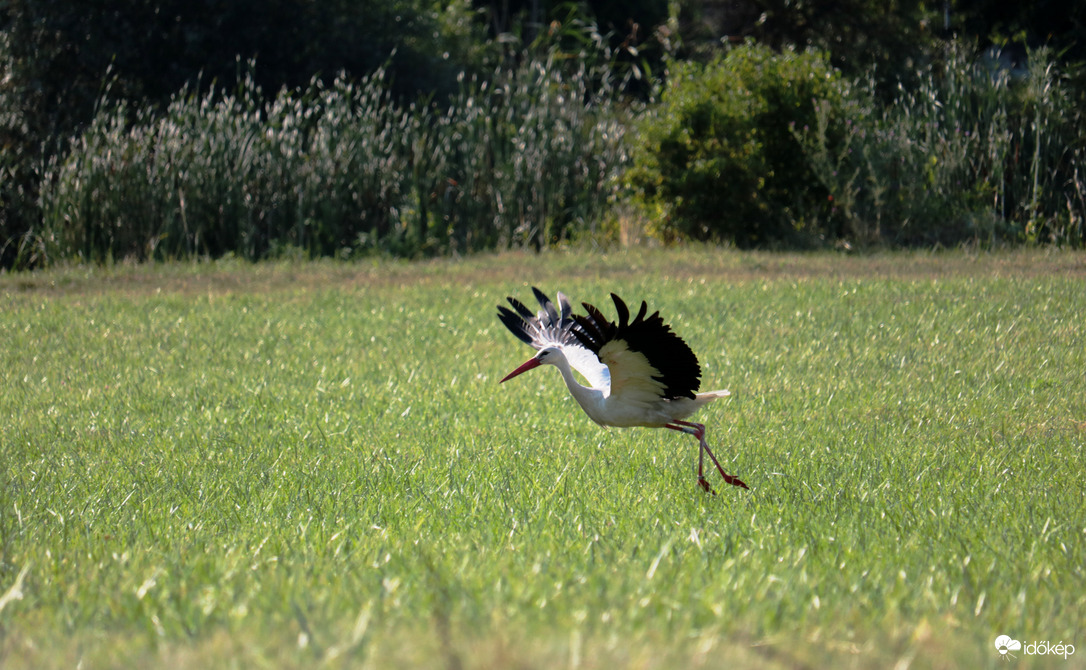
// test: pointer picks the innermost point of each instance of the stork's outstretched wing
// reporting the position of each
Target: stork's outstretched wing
(644, 356)
(555, 327)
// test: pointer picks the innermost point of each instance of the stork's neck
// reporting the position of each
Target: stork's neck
(590, 399)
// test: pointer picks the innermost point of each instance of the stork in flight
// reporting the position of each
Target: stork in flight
(639, 372)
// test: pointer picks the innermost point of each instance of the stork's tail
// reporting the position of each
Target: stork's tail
(709, 396)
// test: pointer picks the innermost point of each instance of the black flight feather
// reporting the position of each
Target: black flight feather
(515, 323)
(546, 304)
(550, 326)
(651, 337)
(521, 309)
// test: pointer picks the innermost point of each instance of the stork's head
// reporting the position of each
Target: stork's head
(546, 356)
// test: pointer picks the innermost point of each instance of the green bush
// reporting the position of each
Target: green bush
(717, 159)
(968, 155)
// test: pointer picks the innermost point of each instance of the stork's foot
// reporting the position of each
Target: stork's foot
(698, 431)
(734, 481)
(704, 483)
(729, 479)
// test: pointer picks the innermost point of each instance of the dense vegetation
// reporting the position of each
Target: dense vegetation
(795, 153)
(337, 171)
(423, 127)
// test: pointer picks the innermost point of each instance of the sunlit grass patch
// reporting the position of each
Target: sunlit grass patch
(299, 463)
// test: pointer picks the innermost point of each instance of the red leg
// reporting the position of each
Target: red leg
(698, 431)
(702, 481)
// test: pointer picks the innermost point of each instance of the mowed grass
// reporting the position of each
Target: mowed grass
(313, 465)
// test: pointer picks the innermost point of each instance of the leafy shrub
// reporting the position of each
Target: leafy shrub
(717, 160)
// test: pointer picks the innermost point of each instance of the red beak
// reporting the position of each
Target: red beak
(531, 363)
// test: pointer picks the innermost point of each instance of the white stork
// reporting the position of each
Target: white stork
(640, 373)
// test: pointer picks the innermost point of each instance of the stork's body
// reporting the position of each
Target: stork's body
(634, 408)
(639, 372)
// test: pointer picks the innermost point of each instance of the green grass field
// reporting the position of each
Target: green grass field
(313, 465)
